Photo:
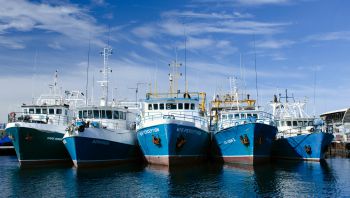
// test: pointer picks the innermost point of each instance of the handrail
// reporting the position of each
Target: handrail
(38, 118)
(234, 122)
(297, 130)
(172, 115)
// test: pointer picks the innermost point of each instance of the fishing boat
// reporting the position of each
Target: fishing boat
(299, 135)
(242, 133)
(6, 146)
(103, 134)
(172, 128)
(37, 130)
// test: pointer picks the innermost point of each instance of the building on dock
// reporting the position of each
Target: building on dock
(338, 123)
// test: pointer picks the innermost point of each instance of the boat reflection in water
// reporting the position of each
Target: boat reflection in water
(281, 179)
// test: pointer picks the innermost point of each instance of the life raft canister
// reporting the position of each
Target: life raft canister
(180, 141)
(28, 137)
(308, 149)
(244, 139)
(156, 140)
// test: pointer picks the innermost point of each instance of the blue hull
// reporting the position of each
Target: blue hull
(86, 151)
(169, 144)
(245, 144)
(302, 147)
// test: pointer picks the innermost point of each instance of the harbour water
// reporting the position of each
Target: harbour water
(282, 179)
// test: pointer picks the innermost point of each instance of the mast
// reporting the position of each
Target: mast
(256, 77)
(174, 75)
(186, 84)
(107, 51)
(87, 76)
(55, 83)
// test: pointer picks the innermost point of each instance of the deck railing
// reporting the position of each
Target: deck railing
(39, 118)
(173, 116)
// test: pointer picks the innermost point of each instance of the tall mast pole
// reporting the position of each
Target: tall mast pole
(107, 51)
(256, 76)
(87, 75)
(186, 84)
(174, 75)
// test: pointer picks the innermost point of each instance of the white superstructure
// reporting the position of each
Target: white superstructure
(291, 117)
(49, 111)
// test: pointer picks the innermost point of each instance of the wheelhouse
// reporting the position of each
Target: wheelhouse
(108, 113)
(295, 123)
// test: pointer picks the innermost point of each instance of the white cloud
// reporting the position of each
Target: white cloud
(199, 43)
(67, 19)
(55, 45)
(261, 2)
(145, 31)
(330, 36)
(203, 15)
(11, 43)
(153, 47)
(173, 25)
(273, 44)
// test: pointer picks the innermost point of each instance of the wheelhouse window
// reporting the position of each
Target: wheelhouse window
(25, 111)
(187, 106)
(96, 114)
(230, 116)
(161, 106)
(295, 123)
(300, 123)
(289, 123)
(255, 115)
(89, 113)
(170, 106)
(103, 114)
(192, 106)
(155, 106)
(109, 114)
(237, 116)
(65, 112)
(283, 123)
(249, 115)
(85, 114)
(80, 114)
(305, 123)
(224, 117)
(51, 111)
(37, 111)
(243, 116)
(180, 106)
(311, 123)
(44, 111)
(31, 111)
(149, 106)
(59, 111)
(116, 114)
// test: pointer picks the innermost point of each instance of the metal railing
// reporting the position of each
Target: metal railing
(298, 130)
(38, 118)
(235, 122)
(173, 116)
(192, 95)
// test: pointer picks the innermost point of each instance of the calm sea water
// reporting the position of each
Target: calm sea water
(281, 179)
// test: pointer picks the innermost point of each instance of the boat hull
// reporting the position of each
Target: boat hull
(38, 147)
(89, 151)
(178, 144)
(244, 144)
(310, 147)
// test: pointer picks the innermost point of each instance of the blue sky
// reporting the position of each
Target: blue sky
(294, 41)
